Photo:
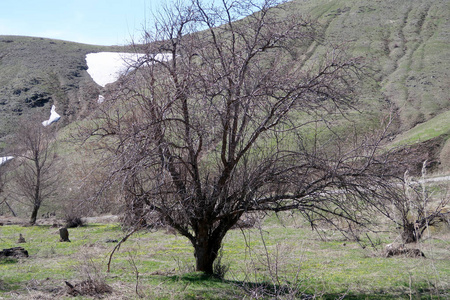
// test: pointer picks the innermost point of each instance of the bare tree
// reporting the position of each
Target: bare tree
(4, 178)
(235, 119)
(414, 208)
(35, 177)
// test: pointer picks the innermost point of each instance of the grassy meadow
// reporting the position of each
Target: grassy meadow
(281, 257)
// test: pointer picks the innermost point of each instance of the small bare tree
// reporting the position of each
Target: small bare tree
(414, 208)
(35, 178)
(235, 119)
(4, 195)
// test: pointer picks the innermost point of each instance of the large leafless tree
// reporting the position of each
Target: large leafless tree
(235, 117)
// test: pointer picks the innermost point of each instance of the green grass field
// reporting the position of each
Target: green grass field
(279, 258)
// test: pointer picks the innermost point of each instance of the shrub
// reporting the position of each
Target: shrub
(73, 221)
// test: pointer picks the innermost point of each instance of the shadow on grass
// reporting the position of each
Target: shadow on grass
(424, 294)
(237, 289)
(197, 278)
(200, 282)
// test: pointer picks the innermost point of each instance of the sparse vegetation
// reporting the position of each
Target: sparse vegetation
(290, 258)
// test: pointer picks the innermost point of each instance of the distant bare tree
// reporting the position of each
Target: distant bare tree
(235, 119)
(414, 208)
(4, 170)
(35, 177)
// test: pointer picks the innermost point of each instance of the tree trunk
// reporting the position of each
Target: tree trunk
(34, 215)
(206, 251)
(37, 192)
(204, 260)
(410, 233)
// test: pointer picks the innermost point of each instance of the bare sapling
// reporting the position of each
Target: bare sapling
(420, 208)
(35, 177)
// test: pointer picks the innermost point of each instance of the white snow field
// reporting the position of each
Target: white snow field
(54, 116)
(107, 67)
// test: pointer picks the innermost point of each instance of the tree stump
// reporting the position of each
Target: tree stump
(21, 239)
(64, 234)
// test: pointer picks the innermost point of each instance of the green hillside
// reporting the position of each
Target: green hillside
(406, 43)
(37, 72)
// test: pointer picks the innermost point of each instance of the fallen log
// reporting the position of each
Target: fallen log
(405, 251)
(14, 252)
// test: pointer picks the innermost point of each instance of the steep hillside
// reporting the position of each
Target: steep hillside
(36, 73)
(406, 43)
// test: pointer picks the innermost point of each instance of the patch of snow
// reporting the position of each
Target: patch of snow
(5, 159)
(107, 67)
(162, 57)
(54, 116)
(101, 99)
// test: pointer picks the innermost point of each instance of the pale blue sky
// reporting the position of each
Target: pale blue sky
(99, 22)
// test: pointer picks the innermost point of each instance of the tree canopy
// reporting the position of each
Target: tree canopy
(235, 119)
